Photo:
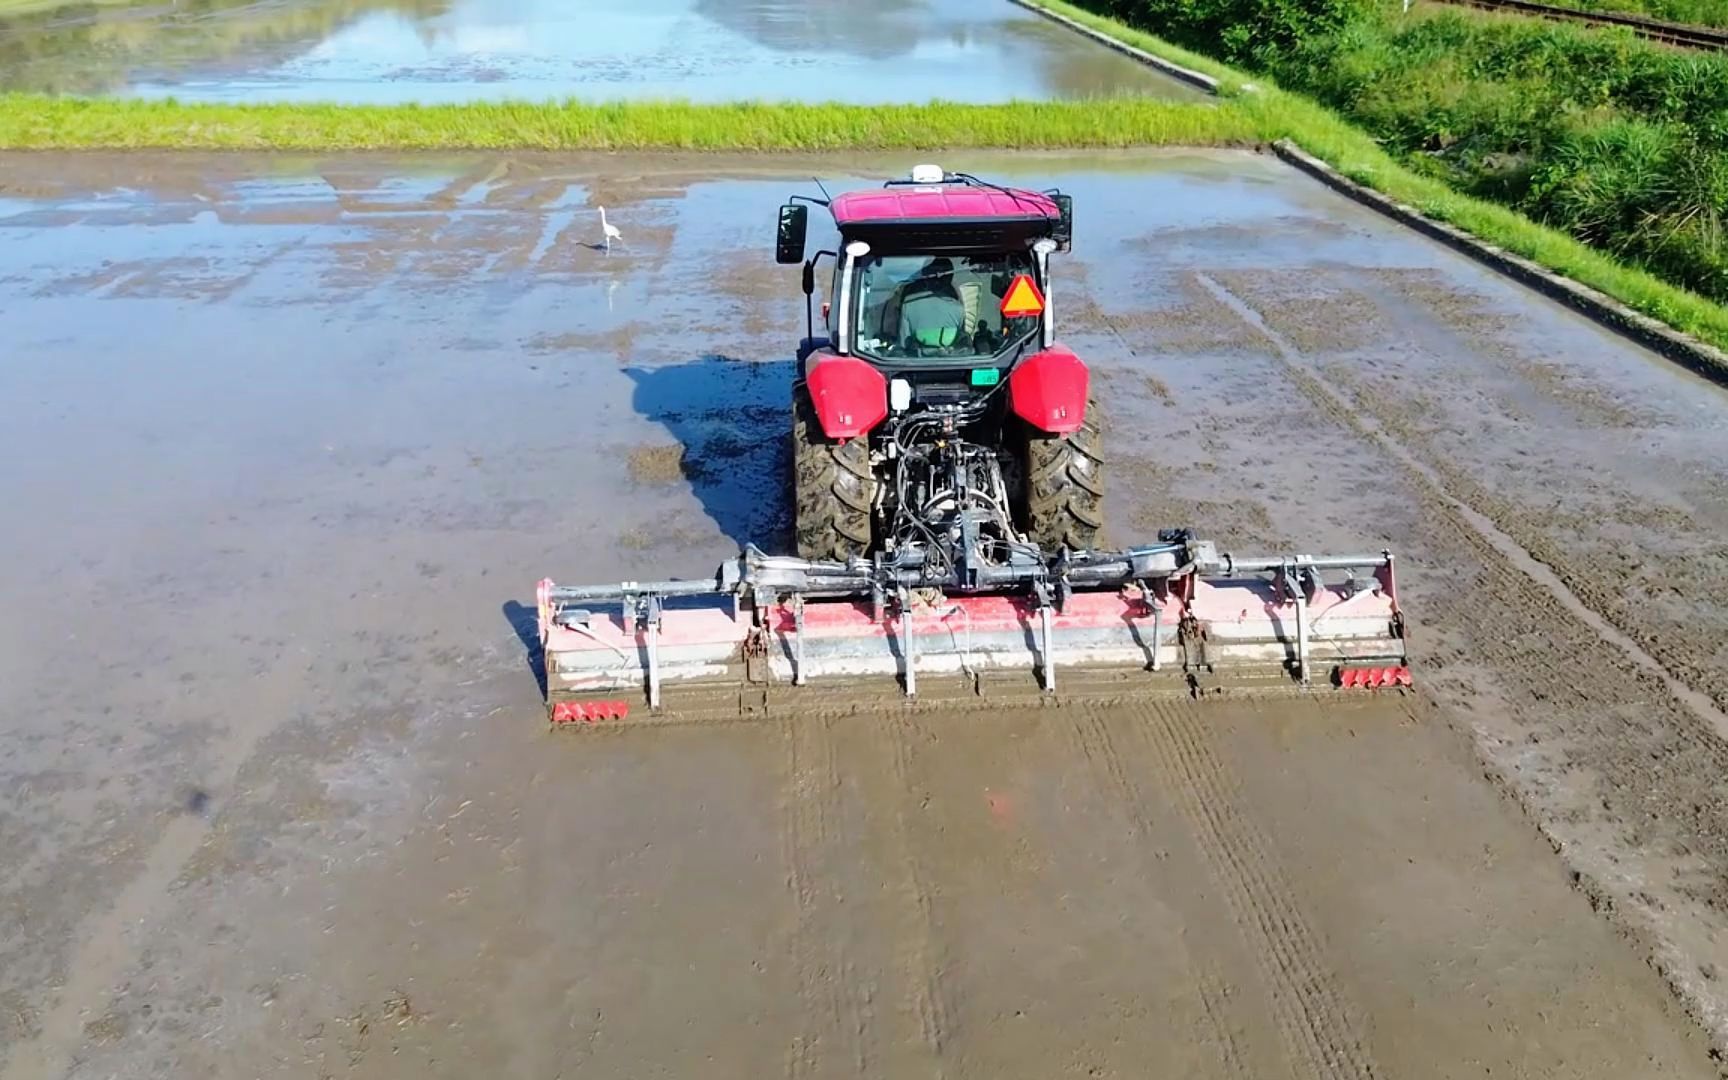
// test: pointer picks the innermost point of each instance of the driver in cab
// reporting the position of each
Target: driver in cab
(932, 315)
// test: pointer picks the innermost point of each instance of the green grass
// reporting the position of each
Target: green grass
(34, 122)
(1230, 80)
(35, 7)
(1690, 12)
(1620, 143)
(1275, 113)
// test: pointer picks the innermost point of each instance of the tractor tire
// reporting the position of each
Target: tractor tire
(1065, 487)
(834, 489)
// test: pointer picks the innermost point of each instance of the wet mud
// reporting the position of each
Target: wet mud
(295, 439)
(444, 51)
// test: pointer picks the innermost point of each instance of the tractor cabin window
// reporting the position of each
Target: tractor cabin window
(942, 307)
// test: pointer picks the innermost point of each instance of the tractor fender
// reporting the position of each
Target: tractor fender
(1048, 390)
(849, 395)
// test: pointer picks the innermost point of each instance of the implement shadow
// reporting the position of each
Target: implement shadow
(526, 622)
(733, 419)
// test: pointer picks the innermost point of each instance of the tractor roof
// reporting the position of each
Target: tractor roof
(943, 203)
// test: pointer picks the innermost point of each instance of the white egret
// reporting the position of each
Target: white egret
(610, 232)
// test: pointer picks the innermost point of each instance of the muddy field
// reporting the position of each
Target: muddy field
(291, 440)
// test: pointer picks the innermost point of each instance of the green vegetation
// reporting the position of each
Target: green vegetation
(33, 7)
(1247, 33)
(30, 121)
(1323, 133)
(1690, 12)
(1618, 142)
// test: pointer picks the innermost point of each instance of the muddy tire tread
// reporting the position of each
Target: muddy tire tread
(1065, 486)
(834, 489)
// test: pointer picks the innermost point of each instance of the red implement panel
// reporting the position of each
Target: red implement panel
(589, 712)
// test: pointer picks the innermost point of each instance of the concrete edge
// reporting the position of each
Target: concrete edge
(1168, 67)
(1653, 334)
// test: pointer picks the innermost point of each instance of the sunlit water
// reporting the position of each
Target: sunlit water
(383, 51)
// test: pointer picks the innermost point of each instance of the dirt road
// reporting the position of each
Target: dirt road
(296, 438)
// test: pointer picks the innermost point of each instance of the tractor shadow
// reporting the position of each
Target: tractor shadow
(525, 621)
(733, 420)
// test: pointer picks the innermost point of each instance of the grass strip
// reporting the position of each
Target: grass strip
(38, 122)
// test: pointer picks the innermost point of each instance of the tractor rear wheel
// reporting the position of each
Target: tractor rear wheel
(834, 489)
(1065, 486)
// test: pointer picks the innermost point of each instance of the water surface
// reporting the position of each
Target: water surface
(388, 51)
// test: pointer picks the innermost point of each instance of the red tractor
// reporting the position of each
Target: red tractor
(938, 419)
(948, 493)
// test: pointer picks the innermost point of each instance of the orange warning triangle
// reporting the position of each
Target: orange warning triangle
(1022, 298)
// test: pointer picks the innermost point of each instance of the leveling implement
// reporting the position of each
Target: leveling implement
(948, 493)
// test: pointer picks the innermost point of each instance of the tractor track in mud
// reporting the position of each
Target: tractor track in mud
(1319, 1029)
(1544, 567)
(1653, 741)
(1222, 1026)
(1611, 612)
(839, 1017)
(922, 953)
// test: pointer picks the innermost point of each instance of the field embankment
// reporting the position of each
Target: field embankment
(1617, 142)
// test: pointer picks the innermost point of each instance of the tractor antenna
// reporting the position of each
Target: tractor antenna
(819, 187)
(1016, 194)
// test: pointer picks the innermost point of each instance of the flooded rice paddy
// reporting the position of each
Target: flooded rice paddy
(436, 51)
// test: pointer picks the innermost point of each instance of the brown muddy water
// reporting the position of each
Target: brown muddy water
(439, 51)
(290, 440)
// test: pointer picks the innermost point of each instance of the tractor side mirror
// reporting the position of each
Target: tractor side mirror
(809, 277)
(1063, 234)
(789, 237)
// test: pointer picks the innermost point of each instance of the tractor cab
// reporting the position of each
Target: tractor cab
(939, 276)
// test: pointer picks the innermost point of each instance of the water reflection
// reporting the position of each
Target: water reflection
(100, 48)
(457, 50)
(876, 31)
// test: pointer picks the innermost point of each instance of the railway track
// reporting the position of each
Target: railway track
(1678, 34)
